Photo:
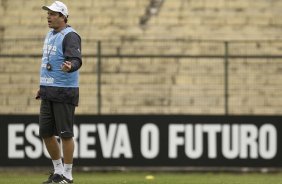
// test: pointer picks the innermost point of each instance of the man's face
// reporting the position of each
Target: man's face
(55, 21)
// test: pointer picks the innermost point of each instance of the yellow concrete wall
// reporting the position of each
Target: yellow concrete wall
(114, 19)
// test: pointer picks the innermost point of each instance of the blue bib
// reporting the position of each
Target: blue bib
(53, 56)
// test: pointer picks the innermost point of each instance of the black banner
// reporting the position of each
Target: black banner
(151, 140)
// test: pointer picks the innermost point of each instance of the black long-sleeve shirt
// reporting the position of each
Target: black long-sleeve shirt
(72, 50)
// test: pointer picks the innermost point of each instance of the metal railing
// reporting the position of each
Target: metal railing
(232, 65)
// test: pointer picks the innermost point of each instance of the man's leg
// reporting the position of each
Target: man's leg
(64, 118)
(53, 148)
(47, 132)
(68, 149)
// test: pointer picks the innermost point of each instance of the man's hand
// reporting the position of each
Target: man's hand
(37, 97)
(66, 66)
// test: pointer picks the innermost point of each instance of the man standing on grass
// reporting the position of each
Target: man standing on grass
(59, 90)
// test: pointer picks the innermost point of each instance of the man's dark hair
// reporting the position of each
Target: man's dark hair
(65, 18)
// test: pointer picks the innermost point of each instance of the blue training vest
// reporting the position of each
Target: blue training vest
(53, 53)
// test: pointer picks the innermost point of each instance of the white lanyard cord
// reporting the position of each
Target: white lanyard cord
(52, 46)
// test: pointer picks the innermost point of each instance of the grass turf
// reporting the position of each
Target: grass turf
(140, 178)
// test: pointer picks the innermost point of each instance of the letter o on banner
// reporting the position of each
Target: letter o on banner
(268, 141)
(150, 144)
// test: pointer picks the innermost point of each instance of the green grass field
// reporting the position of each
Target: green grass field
(140, 178)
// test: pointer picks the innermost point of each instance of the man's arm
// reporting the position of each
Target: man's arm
(72, 52)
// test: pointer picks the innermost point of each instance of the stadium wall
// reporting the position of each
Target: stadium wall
(114, 19)
(182, 79)
(210, 77)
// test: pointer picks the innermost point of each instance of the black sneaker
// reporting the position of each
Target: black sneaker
(66, 180)
(49, 180)
(54, 178)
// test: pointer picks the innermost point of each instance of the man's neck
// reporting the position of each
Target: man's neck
(60, 28)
